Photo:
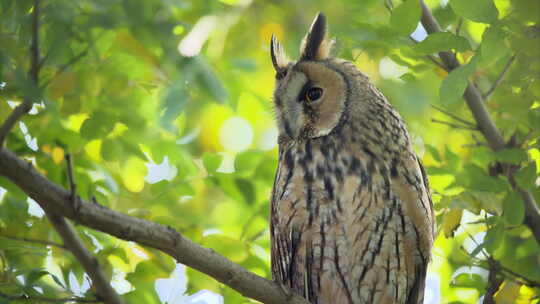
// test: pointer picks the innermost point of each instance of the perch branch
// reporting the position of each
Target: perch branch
(166, 239)
(485, 124)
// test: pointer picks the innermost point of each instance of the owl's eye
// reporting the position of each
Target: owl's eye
(313, 93)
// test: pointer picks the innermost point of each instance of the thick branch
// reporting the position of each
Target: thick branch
(88, 261)
(143, 232)
(484, 122)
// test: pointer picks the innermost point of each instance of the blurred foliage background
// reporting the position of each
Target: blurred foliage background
(165, 107)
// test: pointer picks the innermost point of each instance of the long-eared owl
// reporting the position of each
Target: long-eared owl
(351, 214)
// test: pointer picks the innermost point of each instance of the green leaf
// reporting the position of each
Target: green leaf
(407, 77)
(111, 149)
(494, 237)
(469, 280)
(173, 103)
(211, 161)
(443, 41)
(453, 86)
(476, 10)
(34, 275)
(526, 176)
(97, 126)
(493, 44)
(247, 189)
(451, 221)
(405, 17)
(478, 179)
(246, 162)
(513, 209)
(512, 156)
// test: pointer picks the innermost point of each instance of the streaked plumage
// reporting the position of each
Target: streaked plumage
(351, 214)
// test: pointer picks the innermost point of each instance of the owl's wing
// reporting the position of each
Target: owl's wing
(412, 188)
(284, 247)
(416, 294)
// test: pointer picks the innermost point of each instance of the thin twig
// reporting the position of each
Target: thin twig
(26, 105)
(36, 241)
(87, 260)
(71, 62)
(499, 78)
(454, 116)
(77, 248)
(71, 179)
(34, 48)
(437, 62)
(453, 125)
(34, 299)
(526, 281)
(458, 27)
(494, 282)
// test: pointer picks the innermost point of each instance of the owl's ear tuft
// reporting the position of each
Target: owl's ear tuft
(316, 46)
(279, 59)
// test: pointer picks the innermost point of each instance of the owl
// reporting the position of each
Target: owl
(351, 212)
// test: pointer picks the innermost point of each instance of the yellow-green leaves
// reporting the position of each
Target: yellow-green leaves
(451, 221)
(476, 10)
(405, 17)
(133, 173)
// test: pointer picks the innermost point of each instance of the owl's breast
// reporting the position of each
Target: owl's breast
(344, 225)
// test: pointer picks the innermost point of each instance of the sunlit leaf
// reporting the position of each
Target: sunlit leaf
(512, 156)
(57, 155)
(469, 280)
(451, 221)
(507, 293)
(453, 86)
(133, 174)
(513, 209)
(211, 161)
(526, 176)
(477, 10)
(443, 41)
(405, 17)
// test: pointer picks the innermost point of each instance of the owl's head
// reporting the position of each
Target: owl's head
(311, 94)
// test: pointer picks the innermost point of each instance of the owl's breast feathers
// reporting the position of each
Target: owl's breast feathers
(352, 220)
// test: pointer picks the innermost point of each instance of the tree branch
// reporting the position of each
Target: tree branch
(87, 260)
(71, 62)
(74, 244)
(26, 105)
(494, 282)
(484, 122)
(36, 241)
(143, 232)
